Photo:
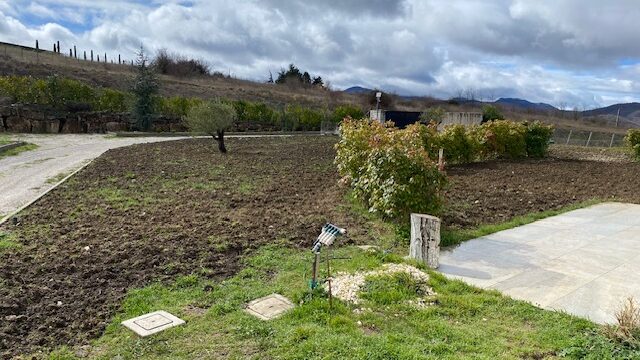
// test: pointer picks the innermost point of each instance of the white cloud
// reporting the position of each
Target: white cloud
(561, 51)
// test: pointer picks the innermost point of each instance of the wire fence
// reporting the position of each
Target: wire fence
(587, 138)
(71, 57)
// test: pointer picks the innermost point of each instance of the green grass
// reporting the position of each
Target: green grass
(56, 179)
(450, 237)
(4, 140)
(8, 242)
(18, 150)
(392, 289)
(465, 323)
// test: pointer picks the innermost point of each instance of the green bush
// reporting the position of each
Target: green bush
(503, 139)
(343, 111)
(113, 101)
(537, 139)
(63, 92)
(460, 143)
(54, 91)
(358, 137)
(433, 114)
(303, 118)
(490, 112)
(389, 169)
(633, 142)
(178, 106)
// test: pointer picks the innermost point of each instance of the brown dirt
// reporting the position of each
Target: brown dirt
(496, 191)
(153, 212)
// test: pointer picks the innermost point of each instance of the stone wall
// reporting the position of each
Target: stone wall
(35, 119)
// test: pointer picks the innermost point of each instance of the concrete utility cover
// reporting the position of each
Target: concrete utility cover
(269, 307)
(152, 323)
(584, 262)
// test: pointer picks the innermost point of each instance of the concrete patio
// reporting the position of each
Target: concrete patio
(584, 262)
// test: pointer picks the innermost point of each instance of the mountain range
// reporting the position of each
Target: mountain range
(629, 112)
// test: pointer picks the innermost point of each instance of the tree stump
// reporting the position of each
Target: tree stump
(425, 239)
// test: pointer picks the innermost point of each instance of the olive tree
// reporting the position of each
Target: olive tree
(212, 118)
(435, 114)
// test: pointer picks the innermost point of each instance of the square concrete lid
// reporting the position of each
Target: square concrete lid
(269, 307)
(152, 323)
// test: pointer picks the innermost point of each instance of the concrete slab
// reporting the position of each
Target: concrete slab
(269, 307)
(149, 324)
(582, 262)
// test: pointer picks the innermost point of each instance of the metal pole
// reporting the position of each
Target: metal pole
(314, 271)
(329, 279)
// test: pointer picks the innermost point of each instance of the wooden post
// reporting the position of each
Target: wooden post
(425, 239)
(37, 46)
(85, 55)
(58, 47)
(91, 55)
(589, 139)
(75, 52)
(569, 137)
(613, 136)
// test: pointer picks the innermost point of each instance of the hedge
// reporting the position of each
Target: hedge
(633, 142)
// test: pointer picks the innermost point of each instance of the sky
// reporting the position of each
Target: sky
(568, 53)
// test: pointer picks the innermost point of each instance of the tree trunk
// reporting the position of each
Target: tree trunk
(425, 239)
(220, 139)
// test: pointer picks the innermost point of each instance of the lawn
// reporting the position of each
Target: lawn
(179, 227)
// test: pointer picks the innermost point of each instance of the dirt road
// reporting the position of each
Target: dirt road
(25, 176)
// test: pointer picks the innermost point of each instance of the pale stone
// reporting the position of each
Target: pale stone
(152, 323)
(582, 262)
(269, 307)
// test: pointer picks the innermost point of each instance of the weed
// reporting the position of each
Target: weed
(8, 241)
(18, 150)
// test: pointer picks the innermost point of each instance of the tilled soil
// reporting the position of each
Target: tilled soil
(496, 191)
(153, 212)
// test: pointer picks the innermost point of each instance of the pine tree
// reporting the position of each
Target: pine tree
(144, 88)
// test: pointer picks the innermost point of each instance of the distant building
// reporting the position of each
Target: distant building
(403, 118)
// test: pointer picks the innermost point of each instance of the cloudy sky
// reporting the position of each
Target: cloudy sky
(582, 53)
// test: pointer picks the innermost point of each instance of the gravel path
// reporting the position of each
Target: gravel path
(25, 176)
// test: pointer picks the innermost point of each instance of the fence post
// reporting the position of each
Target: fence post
(75, 53)
(92, 55)
(589, 139)
(85, 55)
(37, 46)
(58, 47)
(569, 137)
(425, 239)
(613, 136)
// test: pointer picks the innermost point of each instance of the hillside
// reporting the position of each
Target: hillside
(18, 61)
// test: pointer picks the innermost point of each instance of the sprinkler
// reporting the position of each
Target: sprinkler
(326, 238)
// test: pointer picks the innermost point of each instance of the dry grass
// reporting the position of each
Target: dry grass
(627, 329)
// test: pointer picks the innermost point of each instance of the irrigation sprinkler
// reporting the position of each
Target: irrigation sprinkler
(326, 238)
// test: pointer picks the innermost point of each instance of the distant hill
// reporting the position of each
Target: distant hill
(523, 104)
(626, 110)
(357, 90)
